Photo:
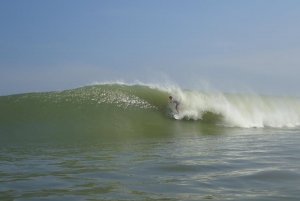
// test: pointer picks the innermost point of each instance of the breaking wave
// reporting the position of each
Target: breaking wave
(115, 108)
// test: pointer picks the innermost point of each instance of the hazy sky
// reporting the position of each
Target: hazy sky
(232, 45)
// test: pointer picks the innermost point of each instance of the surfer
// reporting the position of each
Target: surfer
(175, 102)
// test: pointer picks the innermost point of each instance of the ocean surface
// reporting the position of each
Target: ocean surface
(121, 142)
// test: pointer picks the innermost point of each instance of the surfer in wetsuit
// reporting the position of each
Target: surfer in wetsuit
(175, 102)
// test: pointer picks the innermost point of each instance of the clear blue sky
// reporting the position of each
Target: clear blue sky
(232, 45)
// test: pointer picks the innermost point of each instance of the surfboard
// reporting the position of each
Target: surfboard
(176, 116)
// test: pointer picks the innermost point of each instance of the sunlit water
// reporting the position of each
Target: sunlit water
(229, 164)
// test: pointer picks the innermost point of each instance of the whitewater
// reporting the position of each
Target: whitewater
(240, 110)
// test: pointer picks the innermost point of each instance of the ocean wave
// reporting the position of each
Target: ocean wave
(121, 102)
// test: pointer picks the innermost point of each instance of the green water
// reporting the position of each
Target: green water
(115, 142)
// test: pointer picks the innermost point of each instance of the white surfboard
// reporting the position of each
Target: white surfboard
(176, 116)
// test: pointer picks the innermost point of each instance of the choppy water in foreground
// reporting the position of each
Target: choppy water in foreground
(232, 165)
(71, 146)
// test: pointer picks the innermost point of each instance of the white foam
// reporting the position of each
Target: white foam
(240, 110)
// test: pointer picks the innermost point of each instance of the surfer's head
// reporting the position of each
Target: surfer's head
(170, 97)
